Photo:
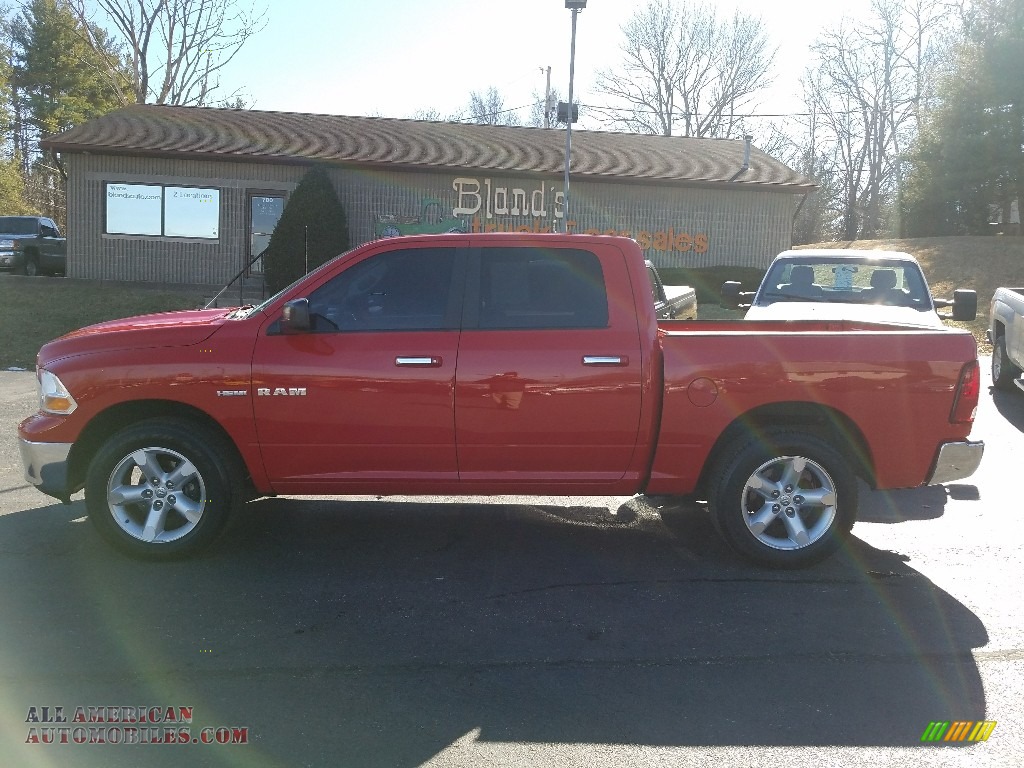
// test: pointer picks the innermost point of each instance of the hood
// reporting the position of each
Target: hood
(865, 313)
(166, 329)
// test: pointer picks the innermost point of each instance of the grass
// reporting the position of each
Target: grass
(35, 310)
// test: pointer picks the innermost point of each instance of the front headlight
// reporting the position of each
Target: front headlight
(7, 245)
(53, 395)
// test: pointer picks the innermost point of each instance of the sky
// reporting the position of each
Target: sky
(394, 57)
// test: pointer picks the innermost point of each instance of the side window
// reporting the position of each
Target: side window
(541, 288)
(395, 291)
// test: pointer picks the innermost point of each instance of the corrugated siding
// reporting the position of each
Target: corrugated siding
(742, 226)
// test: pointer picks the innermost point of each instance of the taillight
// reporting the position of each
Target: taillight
(965, 404)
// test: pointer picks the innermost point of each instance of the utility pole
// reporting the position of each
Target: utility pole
(547, 100)
(575, 6)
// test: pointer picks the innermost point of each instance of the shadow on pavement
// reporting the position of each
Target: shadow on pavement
(383, 633)
(1010, 405)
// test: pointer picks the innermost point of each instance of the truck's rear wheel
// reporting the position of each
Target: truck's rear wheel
(160, 489)
(783, 499)
(1003, 370)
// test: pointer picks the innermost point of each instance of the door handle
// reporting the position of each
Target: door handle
(605, 360)
(418, 362)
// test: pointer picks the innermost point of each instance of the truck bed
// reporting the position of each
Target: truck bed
(831, 372)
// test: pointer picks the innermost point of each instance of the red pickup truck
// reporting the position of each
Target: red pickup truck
(494, 364)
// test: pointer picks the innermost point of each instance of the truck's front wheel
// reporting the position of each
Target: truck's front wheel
(783, 499)
(160, 489)
(1003, 369)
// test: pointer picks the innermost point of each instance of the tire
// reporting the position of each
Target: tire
(783, 499)
(186, 501)
(31, 266)
(1003, 370)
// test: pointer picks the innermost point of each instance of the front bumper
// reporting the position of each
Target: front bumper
(956, 461)
(46, 467)
(7, 260)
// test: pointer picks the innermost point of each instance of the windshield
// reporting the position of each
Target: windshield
(18, 225)
(888, 282)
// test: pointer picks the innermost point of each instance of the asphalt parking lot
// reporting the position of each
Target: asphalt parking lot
(517, 632)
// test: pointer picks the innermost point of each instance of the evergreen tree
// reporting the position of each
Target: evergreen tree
(61, 79)
(312, 230)
(968, 163)
(12, 189)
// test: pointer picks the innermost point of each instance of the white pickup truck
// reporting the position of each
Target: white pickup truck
(1006, 333)
(849, 284)
(671, 302)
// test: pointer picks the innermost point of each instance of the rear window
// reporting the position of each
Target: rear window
(18, 225)
(877, 281)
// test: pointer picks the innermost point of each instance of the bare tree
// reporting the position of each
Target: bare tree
(428, 114)
(489, 108)
(865, 88)
(175, 49)
(686, 71)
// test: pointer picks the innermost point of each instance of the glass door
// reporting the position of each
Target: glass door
(265, 209)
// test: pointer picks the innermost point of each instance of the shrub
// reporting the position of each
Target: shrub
(313, 224)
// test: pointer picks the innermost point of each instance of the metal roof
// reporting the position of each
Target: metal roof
(287, 137)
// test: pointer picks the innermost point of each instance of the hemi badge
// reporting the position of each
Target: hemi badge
(232, 392)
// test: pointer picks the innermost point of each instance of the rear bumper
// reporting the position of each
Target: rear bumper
(956, 461)
(46, 466)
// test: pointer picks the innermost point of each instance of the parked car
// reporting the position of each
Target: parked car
(32, 245)
(1006, 334)
(494, 364)
(849, 284)
(671, 302)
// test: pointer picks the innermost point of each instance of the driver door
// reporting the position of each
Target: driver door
(364, 402)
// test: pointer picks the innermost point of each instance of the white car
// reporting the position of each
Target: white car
(848, 284)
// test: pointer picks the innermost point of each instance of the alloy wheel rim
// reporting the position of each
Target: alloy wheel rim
(789, 502)
(156, 495)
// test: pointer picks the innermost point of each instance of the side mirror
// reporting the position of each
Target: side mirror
(295, 317)
(965, 304)
(731, 290)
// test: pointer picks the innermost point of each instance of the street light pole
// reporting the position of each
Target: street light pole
(575, 6)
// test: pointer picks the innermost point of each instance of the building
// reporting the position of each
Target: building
(190, 195)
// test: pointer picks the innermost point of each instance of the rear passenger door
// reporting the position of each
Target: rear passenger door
(548, 386)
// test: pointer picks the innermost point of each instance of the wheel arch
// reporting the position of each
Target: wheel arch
(824, 422)
(122, 415)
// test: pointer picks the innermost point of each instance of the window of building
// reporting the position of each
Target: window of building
(162, 210)
(541, 288)
(191, 212)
